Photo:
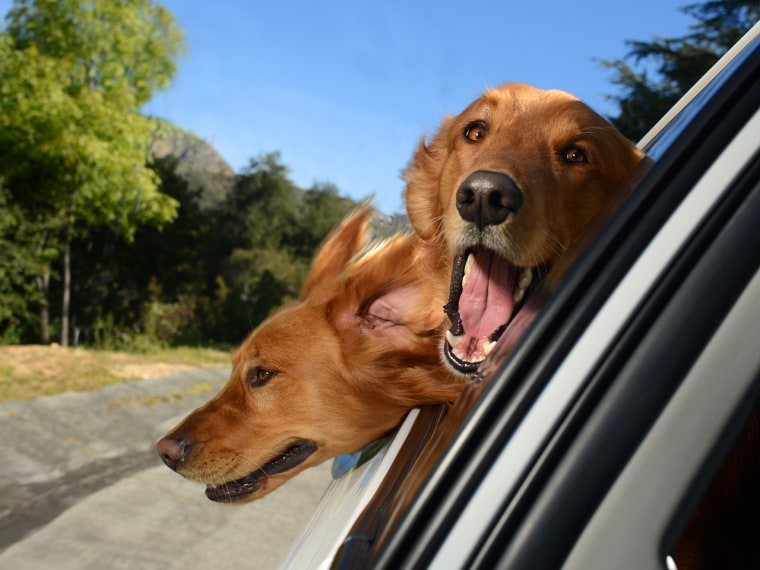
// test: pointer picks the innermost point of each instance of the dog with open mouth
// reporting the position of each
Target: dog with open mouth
(508, 184)
(328, 374)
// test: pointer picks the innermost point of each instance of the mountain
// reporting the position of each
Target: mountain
(198, 162)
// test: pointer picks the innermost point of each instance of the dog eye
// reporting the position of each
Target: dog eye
(574, 155)
(259, 376)
(475, 132)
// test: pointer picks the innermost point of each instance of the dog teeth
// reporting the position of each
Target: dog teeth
(467, 268)
(452, 339)
(526, 278)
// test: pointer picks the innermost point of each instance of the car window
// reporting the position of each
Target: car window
(720, 530)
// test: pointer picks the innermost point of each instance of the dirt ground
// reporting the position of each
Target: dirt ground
(51, 360)
(28, 371)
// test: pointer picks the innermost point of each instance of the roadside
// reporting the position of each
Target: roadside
(81, 486)
(29, 371)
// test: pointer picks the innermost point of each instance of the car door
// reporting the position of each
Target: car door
(528, 469)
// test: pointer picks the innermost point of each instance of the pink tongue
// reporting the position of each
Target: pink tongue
(486, 302)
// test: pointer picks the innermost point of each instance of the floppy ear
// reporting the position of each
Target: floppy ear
(386, 310)
(422, 177)
(401, 315)
(392, 292)
(624, 163)
(343, 242)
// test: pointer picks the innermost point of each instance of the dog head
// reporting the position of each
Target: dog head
(327, 374)
(508, 184)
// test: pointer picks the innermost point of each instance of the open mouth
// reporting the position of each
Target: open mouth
(486, 292)
(238, 489)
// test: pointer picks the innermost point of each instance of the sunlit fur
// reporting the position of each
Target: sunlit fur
(528, 130)
(351, 357)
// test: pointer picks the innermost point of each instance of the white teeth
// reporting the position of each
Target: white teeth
(526, 278)
(467, 267)
(452, 339)
(468, 263)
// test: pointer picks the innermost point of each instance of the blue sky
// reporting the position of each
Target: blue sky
(345, 89)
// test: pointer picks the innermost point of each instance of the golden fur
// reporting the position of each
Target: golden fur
(544, 162)
(528, 133)
(327, 374)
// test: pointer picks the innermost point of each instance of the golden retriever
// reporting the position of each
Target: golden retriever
(508, 184)
(327, 374)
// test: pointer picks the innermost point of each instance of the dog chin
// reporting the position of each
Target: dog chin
(260, 481)
(458, 365)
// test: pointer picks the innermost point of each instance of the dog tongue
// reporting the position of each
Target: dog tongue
(487, 297)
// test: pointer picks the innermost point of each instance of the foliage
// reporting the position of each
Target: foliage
(73, 147)
(124, 50)
(23, 258)
(668, 67)
(215, 272)
(74, 75)
(155, 260)
(75, 153)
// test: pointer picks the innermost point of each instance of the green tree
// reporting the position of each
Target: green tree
(73, 146)
(138, 287)
(255, 271)
(271, 229)
(215, 272)
(24, 259)
(665, 68)
(321, 208)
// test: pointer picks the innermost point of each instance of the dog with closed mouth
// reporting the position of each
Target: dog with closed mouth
(508, 184)
(330, 373)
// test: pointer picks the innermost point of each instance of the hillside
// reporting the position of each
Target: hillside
(198, 162)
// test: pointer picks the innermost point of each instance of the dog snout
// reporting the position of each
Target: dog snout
(172, 451)
(487, 198)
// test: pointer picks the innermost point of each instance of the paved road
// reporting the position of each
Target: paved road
(81, 487)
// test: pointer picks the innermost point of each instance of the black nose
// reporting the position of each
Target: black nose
(172, 451)
(486, 198)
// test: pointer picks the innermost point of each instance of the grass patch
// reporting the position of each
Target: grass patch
(30, 371)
